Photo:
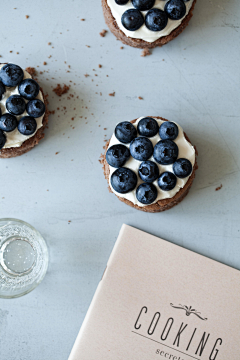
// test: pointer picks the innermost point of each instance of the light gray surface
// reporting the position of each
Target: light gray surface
(196, 85)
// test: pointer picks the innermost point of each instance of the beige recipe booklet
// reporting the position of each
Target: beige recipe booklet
(159, 301)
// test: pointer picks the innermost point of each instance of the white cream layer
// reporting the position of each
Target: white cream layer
(15, 138)
(186, 150)
(144, 33)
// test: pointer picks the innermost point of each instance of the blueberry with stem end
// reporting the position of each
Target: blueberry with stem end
(141, 148)
(132, 19)
(117, 155)
(125, 132)
(8, 122)
(123, 180)
(148, 171)
(167, 181)
(15, 105)
(182, 168)
(28, 89)
(27, 125)
(148, 127)
(156, 20)
(11, 75)
(146, 193)
(35, 108)
(165, 152)
(168, 131)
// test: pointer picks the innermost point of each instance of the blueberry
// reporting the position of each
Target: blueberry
(15, 105)
(123, 180)
(121, 2)
(148, 171)
(11, 75)
(146, 193)
(156, 20)
(27, 125)
(167, 181)
(175, 9)
(141, 148)
(8, 122)
(2, 90)
(125, 132)
(35, 108)
(182, 168)
(143, 4)
(2, 139)
(148, 127)
(117, 155)
(165, 152)
(28, 89)
(168, 131)
(132, 19)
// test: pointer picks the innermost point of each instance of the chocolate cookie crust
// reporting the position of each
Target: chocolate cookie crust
(160, 205)
(139, 43)
(32, 141)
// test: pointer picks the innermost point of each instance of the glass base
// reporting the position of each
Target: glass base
(23, 258)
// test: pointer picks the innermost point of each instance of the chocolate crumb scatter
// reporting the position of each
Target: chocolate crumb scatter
(112, 94)
(146, 52)
(59, 90)
(82, 19)
(121, 47)
(88, 46)
(103, 33)
(27, 16)
(100, 66)
(140, 98)
(218, 188)
(32, 71)
(44, 63)
(10, 51)
(86, 75)
(57, 153)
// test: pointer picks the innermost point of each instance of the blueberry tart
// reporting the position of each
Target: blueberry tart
(149, 163)
(146, 24)
(23, 111)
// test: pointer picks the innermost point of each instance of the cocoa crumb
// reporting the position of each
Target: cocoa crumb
(146, 52)
(49, 43)
(44, 63)
(112, 94)
(52, 112)
(218, 188)
(27, 16)
(86, 75)
(59, 90)
(100, 66)
(31, 70)
(103, 33)
(10, 51)
(82, 19)
(140, 98)
(88, 46)
(57, 153)
(121, 47)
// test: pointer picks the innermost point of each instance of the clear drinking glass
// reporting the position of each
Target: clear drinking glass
(23, 258)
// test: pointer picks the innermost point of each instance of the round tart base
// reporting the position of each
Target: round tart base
(160, 205)
(138, 43)
(29, 143)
